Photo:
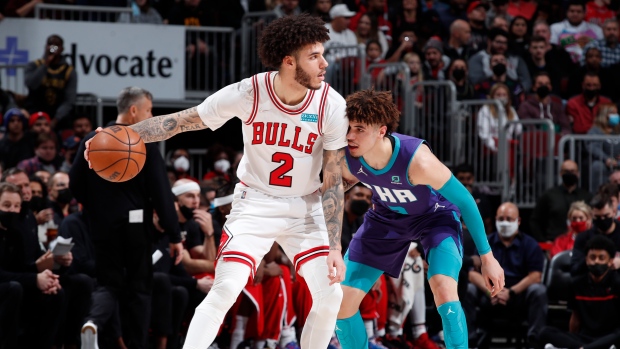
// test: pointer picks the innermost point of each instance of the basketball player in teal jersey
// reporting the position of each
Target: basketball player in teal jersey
(415, 197)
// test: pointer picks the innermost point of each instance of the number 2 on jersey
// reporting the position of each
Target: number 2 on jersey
(277, 176)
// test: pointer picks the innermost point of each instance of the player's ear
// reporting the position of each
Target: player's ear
(288, 61)
(382, 130)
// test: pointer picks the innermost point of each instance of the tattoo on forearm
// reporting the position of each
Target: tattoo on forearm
(334, 191)
(160, 128)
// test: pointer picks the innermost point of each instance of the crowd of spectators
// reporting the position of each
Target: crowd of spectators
(554, 60)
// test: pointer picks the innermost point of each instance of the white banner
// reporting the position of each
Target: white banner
(107, 56)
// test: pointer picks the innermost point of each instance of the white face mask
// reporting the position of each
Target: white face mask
(503, 100)
(222, 165)
(181, 164)
(506, 229)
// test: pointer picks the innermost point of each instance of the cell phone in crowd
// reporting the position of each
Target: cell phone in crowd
(53, 49)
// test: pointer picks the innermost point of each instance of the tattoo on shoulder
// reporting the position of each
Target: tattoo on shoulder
(333, 195)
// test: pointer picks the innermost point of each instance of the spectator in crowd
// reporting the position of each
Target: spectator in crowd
(543, 105)
(605, 224)
(373, 56)
(574, 33)
(46, 156)
(59, 195)
(406, 44)
(82, 126)
(321, 9)
(16, 145)
(44, 175)
(435, 63)
(614, 177)
(191, 13)
(598, 11)
(368, 29)
(579, 220)
(613, 191)
(499, 8)
(287, 8)
(465, 174)
(457, 9)
(415, 69)
(410, 16)
(40, 290)
(356, 203)
(39, 123)
(548, 219)
(523, 9)
(518, 36)
(458, 44)
(608, 46)
(607, 76)
(457, 73)
(515, 67)
(375, 8)
(594, 321)
(69, 149)
(498, 63)
(52, 84)
(537, 62)
(75, 227)
(7, 99)
(500, 22)
(339, 32)
(476, 15)
(220, 159)
(523, 297)
(488, 121)
(126, 244)
(19, 8)
(553, 53)
(583, 108)
(604, 155)
(179, 160)
(142, 12)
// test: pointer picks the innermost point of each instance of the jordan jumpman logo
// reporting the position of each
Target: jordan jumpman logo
(450, 311)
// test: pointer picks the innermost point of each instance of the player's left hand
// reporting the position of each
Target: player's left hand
(492, 273)
(176, 252)
(336, 267)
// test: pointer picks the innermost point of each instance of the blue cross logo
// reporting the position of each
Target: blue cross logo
(12, 55)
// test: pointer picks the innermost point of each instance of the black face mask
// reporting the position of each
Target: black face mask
(589, 94)
(499, 69)
(359, 207)
(64, 196)
(478, 22)
(603, 224)
(9, 220)
(543, 91)
(38, 203)
(458, 74)
(598, 269)
(187, 212)
(569, 179)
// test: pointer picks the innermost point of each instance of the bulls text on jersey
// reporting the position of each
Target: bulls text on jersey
(275, 133)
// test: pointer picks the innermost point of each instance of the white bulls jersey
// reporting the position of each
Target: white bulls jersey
(283, 145)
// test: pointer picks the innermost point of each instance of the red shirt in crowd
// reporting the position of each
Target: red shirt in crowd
(563, 242)
(583, 115)
(598, 14)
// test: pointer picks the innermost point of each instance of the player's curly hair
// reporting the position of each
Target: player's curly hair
(373, 108)
(287, 35)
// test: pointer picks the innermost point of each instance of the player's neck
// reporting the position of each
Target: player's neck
(379, 156)
(289, 91)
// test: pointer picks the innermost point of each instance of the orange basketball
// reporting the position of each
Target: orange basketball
(117, 153)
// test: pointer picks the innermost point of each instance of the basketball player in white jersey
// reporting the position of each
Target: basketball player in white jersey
(293, 124)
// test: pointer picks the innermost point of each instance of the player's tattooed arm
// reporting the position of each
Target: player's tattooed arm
(333, 194)
(160, 128)
(348, 179)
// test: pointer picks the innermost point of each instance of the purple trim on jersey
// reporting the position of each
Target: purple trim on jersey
(401, 212)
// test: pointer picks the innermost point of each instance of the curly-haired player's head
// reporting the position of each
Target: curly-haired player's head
(294, 45)
(372, 114)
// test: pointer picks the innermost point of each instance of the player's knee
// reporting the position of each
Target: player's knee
(222, 296)
(351, 300)
(444, 289)
(329, 300)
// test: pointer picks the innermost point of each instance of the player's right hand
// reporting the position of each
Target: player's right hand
(336, 267)
(87, 145)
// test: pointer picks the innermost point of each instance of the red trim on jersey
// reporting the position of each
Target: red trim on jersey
(224, 240)
(255, 105)
(309, 255)
(322, 108)
(282, 107)
(605, 298)
(233, 256)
